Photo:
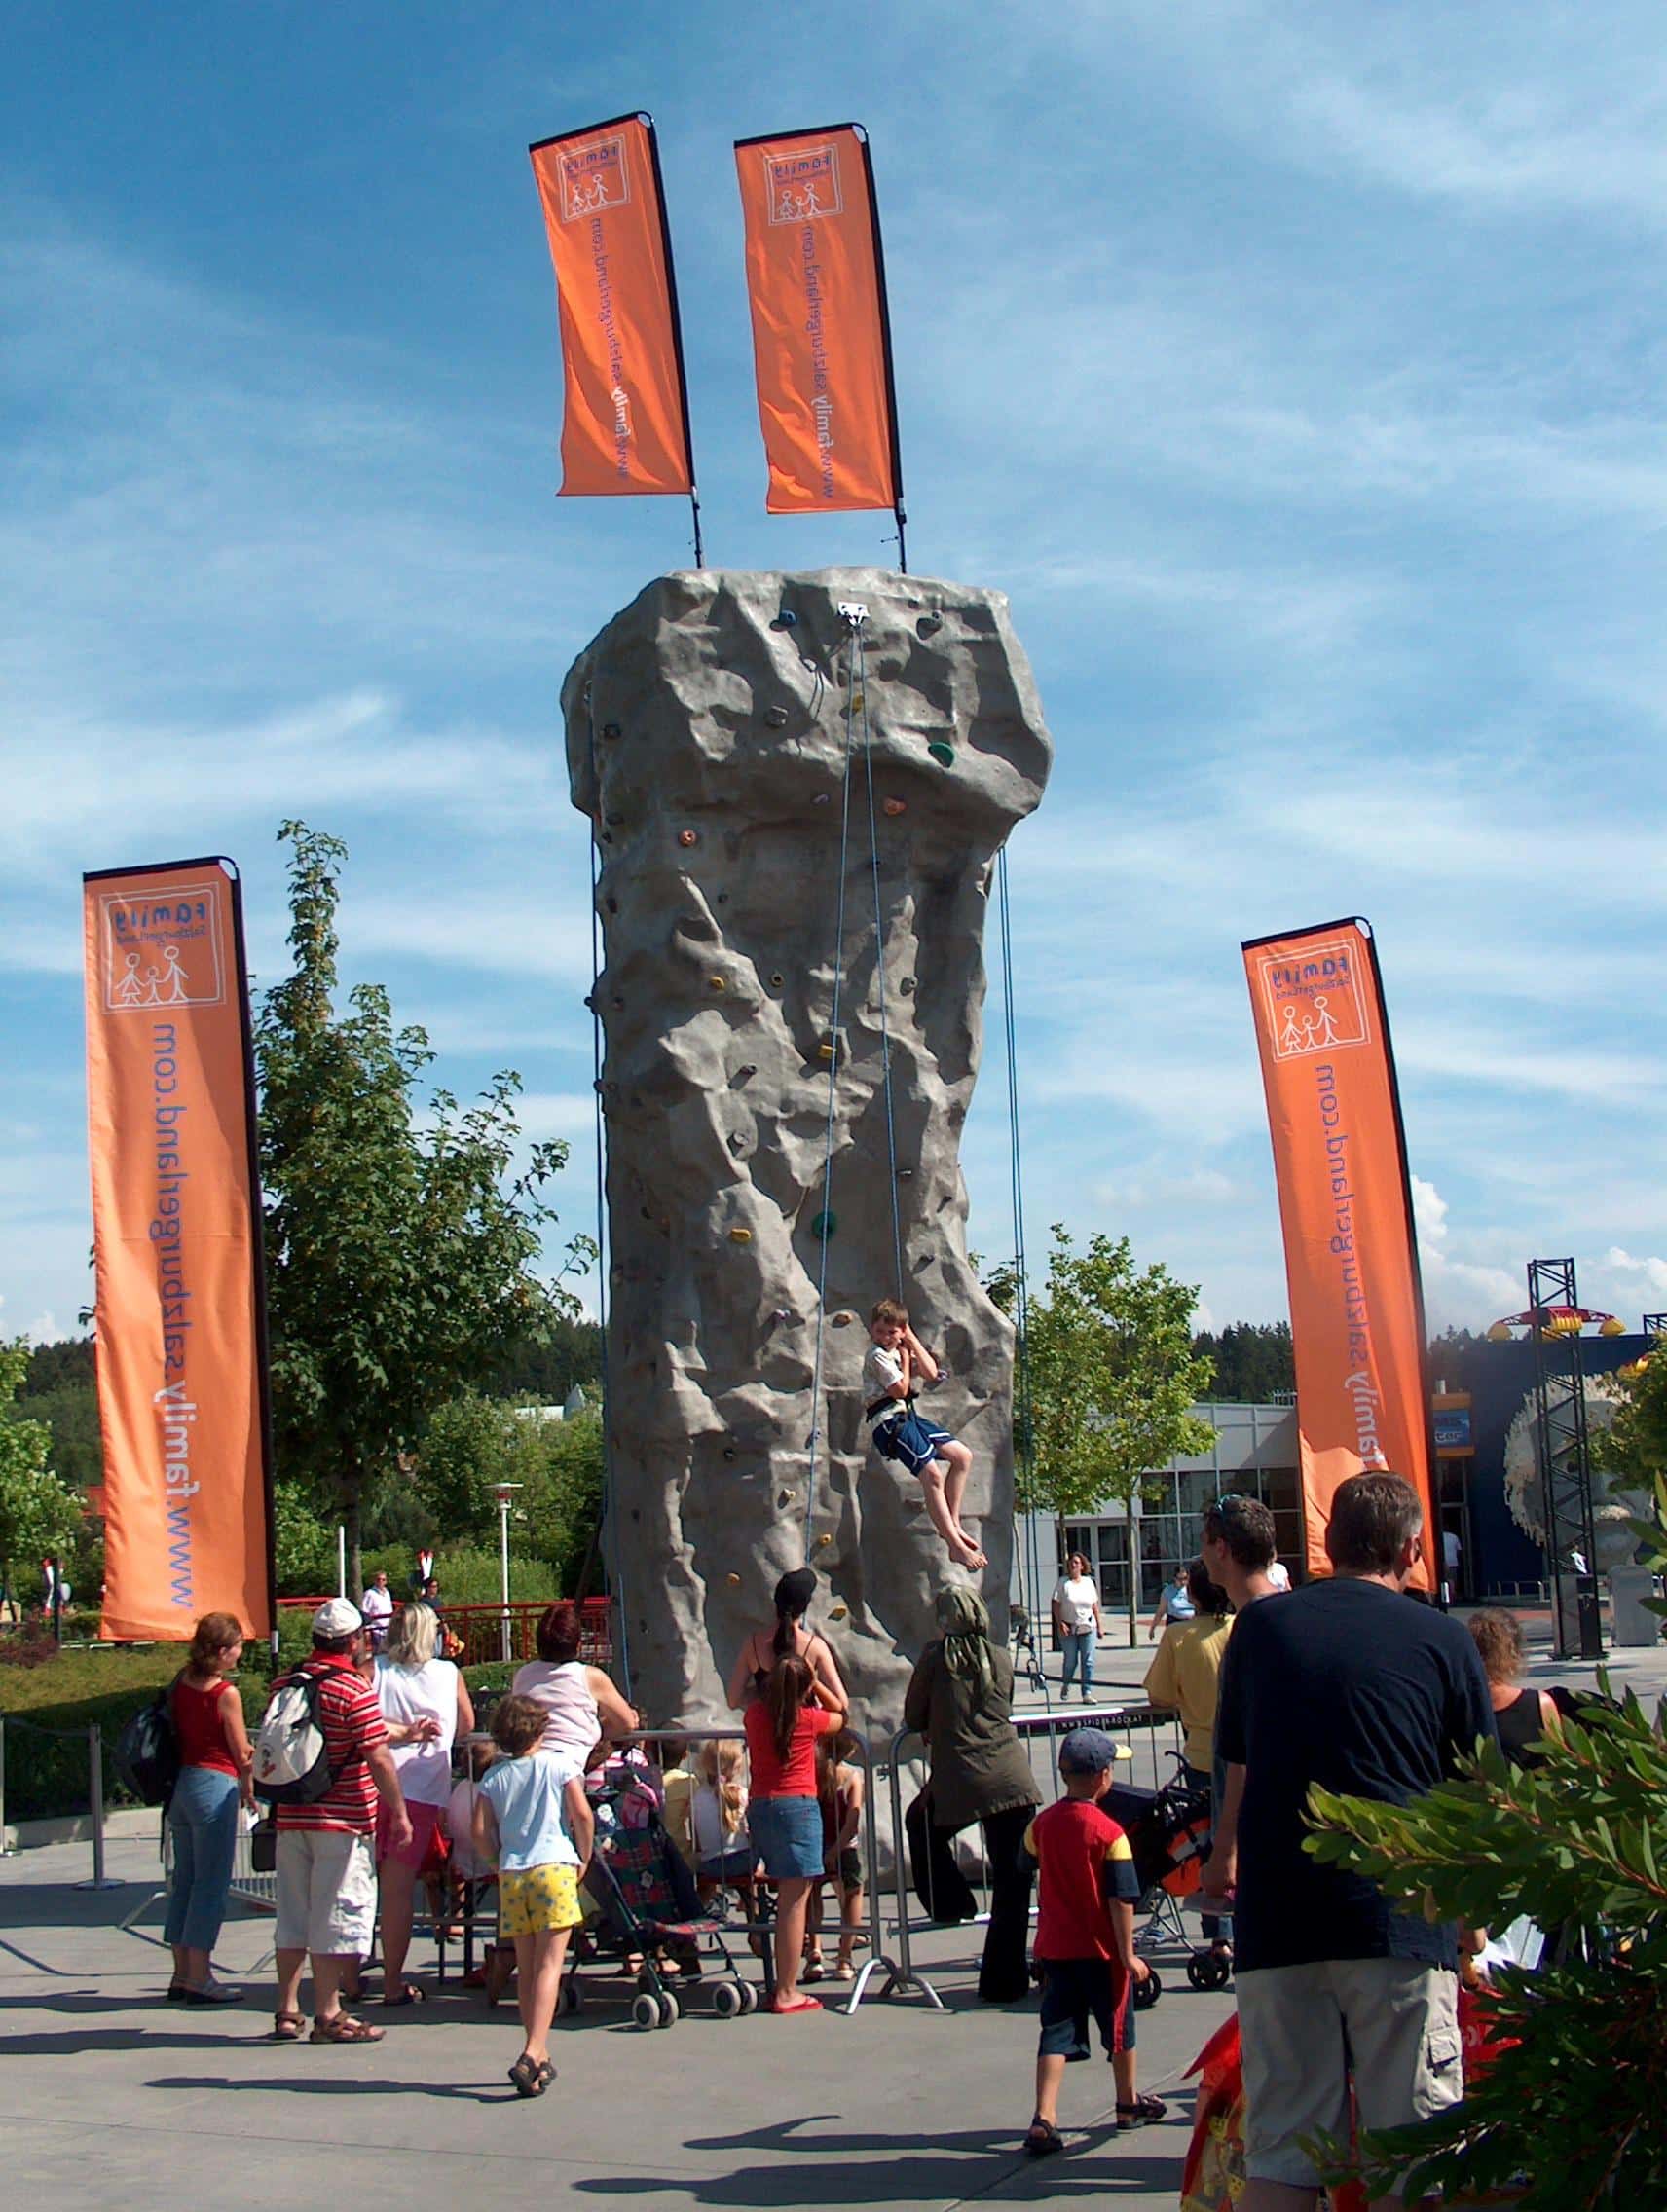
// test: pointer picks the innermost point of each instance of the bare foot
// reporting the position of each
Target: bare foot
(968, 1555)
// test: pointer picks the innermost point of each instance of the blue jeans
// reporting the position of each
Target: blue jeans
(203, 1816)
(1080, 1645)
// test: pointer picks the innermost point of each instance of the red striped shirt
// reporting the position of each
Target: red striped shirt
(353, 1726)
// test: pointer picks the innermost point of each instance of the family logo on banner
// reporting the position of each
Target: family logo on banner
(626, 418)
(821, 334)
(181, 1372)
(1346, 1204)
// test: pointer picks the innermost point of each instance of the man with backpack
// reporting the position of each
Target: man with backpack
(322, 1759)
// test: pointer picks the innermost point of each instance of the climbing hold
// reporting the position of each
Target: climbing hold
(825, 1225)
(907, 986)
(740, 1237)
(688, 836)
(942, 753)
(897, 806)
(590, 1002)
(821, 1540)
(737, 1143)
(610, 729)
(782, 1313)
(859, 701)
(929, 625)
(733, 1580)
(647, 1213)
(744, 1071)
(824, 1050)
(776, 718)
(728, 1451)
(784, 1497)
(612, 905)
(718, 983)
(906, 1174)
(777, 981)
(836, 1613)
(786, 619)
(843, 1320)
(613, 821)
(619, 998)
(820, 799)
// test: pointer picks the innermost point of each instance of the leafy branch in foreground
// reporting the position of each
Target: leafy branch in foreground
(1572, 2113)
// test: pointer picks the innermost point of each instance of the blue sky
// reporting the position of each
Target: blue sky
(1297, 371)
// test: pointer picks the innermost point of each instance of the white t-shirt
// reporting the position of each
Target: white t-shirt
(1451, 1553)
(1279, 1575)
(376, 1604)
(460, 1827)
(416, 1694)
(1076, 1596)
(707, 1824)
(882, 1371)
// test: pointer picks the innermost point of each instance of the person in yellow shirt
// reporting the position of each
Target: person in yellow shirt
(1184, 1675)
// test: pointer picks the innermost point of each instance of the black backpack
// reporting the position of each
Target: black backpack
(147, 1751)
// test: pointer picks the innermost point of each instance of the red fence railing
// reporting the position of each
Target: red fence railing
(481, 1629)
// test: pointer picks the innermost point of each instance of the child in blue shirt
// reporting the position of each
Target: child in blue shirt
(533, 1820)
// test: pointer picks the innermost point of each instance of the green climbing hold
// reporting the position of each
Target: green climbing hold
(825, 1225)
(944, 753)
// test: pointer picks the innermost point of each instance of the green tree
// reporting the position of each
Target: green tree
(401, 1244)
(1111, 1375)
(1632, 1447)
(304, 1547)
(38, 1512)
(1251, 1360)
(471, 1442)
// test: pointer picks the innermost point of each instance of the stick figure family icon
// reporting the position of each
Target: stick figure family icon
(164, 954)
(1314, 1004)
(594, 178)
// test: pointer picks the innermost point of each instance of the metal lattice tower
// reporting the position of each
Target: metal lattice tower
(1655, 1324)
(1565, 1464)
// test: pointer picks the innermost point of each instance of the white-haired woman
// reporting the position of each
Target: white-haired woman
(426, 1703)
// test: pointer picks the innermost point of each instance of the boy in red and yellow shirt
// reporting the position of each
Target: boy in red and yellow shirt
(1085, 1938)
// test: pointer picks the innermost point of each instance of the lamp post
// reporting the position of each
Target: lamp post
(503, 1492)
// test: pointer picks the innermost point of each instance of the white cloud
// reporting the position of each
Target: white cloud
(1653, 1271)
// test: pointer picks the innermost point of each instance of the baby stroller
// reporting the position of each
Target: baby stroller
(647, 1900)
(1168, 1830)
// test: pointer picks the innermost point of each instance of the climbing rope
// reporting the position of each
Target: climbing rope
(1023, 1424)
(610, 1504)
(827, 1216)
(861, 686)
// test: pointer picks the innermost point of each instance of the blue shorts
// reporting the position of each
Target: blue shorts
(1072, 1990)
(909, 1441)
(787, 1835)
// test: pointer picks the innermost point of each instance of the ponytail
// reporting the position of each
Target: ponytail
(788, 1684)
(794, 1592)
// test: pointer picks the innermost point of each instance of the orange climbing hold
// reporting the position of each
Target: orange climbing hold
(688, 836)
(897, 806)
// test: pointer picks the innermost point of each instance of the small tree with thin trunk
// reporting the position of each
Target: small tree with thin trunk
(39, 1513)
(1111, 1377)
(401, 1248)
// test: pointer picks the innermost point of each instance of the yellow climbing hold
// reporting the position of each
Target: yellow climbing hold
(733, 1580)
(717, 982)
(740, 1237)
(836, 1613)
(842, 1320)
(821, 1540)
(824, 1050)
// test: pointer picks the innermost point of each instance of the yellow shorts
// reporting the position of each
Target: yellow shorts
(531, 1901)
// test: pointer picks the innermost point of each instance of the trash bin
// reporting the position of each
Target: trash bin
(1632, 1624)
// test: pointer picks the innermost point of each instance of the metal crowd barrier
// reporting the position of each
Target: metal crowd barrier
(92, 1735)
(1136, 1719)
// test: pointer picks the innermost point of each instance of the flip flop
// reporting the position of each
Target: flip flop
(1042, 2140)
(795, 2005)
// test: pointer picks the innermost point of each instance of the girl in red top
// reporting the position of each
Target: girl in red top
(215, 1759)
(784, 1818)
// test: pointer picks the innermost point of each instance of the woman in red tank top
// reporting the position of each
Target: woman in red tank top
(214, 1763)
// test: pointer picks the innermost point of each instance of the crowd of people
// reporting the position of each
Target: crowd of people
(1344, 1683)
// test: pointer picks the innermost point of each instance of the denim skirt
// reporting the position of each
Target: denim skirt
(787, 1835)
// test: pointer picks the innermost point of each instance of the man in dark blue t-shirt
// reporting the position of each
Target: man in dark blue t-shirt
(1348, 1684)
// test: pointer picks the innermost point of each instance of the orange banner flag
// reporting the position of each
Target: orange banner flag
(626, 420)
(181, 1367)
(821, 333)
(1346, 1203)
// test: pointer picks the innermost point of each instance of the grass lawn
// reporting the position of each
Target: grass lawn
(47, 1709)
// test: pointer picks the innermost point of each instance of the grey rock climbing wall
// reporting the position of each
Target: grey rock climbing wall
(708, 727)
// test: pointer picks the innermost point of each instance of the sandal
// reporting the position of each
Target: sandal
(532, 2077)
(407, 1993)
(1042, 2139)
(814, 1968)
(1137, 2114)
(288, 2027)
(844, 1971)
(342, 2027)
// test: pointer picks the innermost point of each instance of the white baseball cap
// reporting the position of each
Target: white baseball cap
(337, 1616)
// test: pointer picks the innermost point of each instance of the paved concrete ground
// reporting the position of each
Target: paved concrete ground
(105, 2093)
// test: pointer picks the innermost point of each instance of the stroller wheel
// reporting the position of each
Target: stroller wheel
(668, 2011)
(645, 2009)
(1210, 1969)
(571, 1997)
(1148, 1992)
(727, 2000)
(748, 1996)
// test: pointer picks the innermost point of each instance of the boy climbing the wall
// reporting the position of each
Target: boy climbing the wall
(897, 1365)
